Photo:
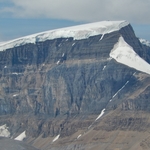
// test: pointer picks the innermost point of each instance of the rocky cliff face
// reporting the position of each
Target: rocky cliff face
(62, 76)
(45, 84)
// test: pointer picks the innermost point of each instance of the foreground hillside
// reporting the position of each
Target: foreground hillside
(83, 87)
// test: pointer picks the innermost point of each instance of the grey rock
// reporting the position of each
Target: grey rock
(8, 144)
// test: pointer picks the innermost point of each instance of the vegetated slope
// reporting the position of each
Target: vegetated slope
(77, 88)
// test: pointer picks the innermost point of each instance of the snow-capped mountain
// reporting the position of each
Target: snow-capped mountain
(75, 88)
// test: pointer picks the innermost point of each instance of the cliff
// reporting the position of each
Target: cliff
(46, 83)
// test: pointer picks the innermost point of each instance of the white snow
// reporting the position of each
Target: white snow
(15, 95)
(104, 67)
(124, 53)
(59, 45)
(102, 37)
(56, 138)
(21, 137)
(134, 73)
(101, 114)
(73, 44)
(4, 131)
(145, 42)
(15, 73)
(120, 89)
(63, 55)
(58, 62)
(77, 32)
(79, 136)
(109, 59)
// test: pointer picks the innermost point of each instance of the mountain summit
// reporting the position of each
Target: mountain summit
(82, 87)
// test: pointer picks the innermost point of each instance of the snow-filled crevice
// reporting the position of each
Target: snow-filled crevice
(119, 91)
(73, 44)
(124, 53)
(104, 67)
(56, 138)
(100, 115)
(101, 37)
(79, 136)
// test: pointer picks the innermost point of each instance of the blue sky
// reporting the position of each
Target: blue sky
(24, 17)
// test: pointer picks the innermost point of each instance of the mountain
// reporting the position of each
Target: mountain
(83, 87)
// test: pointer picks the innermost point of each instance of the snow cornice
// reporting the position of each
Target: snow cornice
(77, 32)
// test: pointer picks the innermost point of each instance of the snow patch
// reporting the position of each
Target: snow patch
(101, 114)
(134, 73)
(73, 44)
(21, 137)
(56, 138)
(15, 95)
(79, 136)
(77, 32)
(15, 73)
(58, 62)
(145, 42)
(124, 53)
(104, 68)
(4, 131)
(63, 55)
(109, 59)
(102, 37)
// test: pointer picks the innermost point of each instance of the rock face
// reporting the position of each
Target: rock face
(62, 76)
(43, 85)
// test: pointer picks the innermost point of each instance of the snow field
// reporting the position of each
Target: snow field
(124, 53)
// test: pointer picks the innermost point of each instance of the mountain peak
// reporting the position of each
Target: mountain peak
(77, 32)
